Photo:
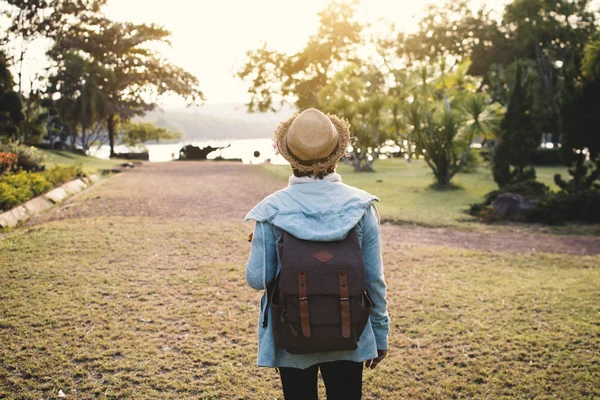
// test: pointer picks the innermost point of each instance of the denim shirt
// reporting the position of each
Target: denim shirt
(323, 210)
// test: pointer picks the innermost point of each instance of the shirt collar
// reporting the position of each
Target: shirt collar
(332, 177)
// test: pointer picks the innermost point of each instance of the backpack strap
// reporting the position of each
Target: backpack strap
(303, 302)
(344, 303)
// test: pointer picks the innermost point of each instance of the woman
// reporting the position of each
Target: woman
(317, 206)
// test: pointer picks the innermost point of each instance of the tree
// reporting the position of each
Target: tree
(276, 76)
(327, 74)
(451, 31)
(580, 121)
(356, 94)
(590, 65)
(56, 127)
(11, 108)
(82, 102)
(137, 133)
(34, 19)
(445, 116)
(138, 75)
(519, 136)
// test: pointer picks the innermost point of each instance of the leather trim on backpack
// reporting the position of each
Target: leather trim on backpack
(344, 303)
(323, 256)
(303, 303)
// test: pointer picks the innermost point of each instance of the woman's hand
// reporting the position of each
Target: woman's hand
(373, 363)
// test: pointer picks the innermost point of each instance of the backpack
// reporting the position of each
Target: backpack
(319, 301)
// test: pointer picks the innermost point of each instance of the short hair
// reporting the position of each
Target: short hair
(319, 175)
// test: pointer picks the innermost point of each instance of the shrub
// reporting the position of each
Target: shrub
(61, 174)
(471, 163)
(529, 188)
(19, 187)
(7, 161)
(562, 207)
(28, 157)
(584, 176)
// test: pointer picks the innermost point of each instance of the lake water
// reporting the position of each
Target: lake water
(239, 148)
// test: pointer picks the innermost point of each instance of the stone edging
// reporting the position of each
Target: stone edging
(22, 213)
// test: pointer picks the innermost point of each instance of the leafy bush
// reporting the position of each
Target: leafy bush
(584, 176)
(529, 188)
(19, 187)
(562, 207)
(28, 157)
(61, 174)
(472, 161)
(7, 161)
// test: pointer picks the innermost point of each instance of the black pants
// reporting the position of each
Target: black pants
(343, 380)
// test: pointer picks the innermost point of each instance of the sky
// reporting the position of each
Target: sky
(210, 38)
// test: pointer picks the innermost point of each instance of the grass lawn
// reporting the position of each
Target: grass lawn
(140, 307)
(90, 164)
(406, 196)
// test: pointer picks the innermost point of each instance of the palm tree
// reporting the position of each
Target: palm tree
(445, 121)
(590, 65)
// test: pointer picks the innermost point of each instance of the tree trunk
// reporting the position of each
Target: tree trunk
(73, 139)
(84, 138)
(110, 124)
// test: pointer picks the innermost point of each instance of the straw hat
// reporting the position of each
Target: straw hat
(312, 141)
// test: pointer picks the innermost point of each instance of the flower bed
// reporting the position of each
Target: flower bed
(19, 187)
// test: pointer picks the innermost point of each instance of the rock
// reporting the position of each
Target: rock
(12, 217)
(127, 165)
(37, 205)
(57, 195)
(190, 152)
(512, 206)
(74, 187)
(94, 178)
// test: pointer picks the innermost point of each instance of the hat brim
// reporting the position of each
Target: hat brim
(341, 125)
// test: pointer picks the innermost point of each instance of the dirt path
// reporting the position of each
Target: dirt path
(217, 191)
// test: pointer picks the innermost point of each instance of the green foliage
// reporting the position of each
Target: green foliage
(581, 206)
(83, 102)
(137, 133)
(529, 187)
(519, 137)
(21, 186)
(584, 176)
(275, 75)
(11, 113)
(31, 19)
(29, 158)
(60, 174)
(453, 30)
(590, 65)
(471, 162)
(356, 94)
(445, 117)
(127, 68)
